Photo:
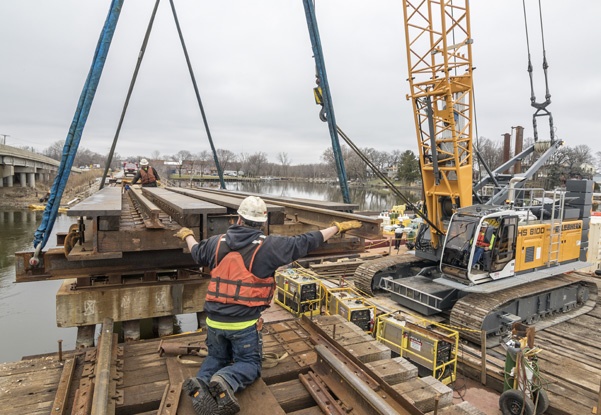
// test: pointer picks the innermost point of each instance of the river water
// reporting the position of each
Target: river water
(27, 310)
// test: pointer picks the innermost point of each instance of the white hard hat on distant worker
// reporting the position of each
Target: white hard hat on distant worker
(253, 208)
(143, 162)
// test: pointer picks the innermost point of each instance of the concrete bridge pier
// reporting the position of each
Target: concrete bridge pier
(31, 180)
(22, 179)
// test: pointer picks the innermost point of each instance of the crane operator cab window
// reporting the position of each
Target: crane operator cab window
(477, 248)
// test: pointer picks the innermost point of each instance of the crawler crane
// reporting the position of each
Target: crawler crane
(515, 271)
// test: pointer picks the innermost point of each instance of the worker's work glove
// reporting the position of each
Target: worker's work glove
(347, 225)
(183, 233)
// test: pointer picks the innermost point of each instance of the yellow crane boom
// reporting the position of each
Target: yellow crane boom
(439, 59)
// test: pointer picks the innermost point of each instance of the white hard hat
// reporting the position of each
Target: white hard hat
(143, 162)
(253, 208)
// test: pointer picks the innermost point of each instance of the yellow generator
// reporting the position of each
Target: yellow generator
(352, 306)
(298, 291)
(431, 346)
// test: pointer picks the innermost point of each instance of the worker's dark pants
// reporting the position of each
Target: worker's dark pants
(234, 355)
(477, 255)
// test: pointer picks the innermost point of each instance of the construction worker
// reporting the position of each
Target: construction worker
(398, 236)
(147, 175)
(486, 238)
(243, 262)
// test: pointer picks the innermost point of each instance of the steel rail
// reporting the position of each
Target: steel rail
(360, 371)
(149, 211)
(102, 372)
(364, 396)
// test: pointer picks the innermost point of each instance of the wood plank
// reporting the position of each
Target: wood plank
(394, 371)
(255, 400)
(422, 391)
(292, 395)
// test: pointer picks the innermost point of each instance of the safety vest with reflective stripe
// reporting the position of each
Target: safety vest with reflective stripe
(233, 283)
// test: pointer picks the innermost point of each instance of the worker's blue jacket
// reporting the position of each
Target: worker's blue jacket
(275, 252)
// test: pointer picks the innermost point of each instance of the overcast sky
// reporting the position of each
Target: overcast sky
(254, 68)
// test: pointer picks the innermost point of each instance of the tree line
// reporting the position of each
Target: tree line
(568, 162)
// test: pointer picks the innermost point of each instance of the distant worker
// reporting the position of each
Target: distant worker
(147, 175)
(243, 262)
(398, 236)
(486, 239)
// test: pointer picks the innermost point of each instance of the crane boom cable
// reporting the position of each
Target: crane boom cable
(129, 92)
(385, 179)
(76, 129)
(197, 93)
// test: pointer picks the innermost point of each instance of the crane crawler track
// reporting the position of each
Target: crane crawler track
(368, 275)
(477, 312)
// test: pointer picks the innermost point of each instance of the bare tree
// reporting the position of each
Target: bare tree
(491, 152)
(354, 166)
(256, 163)
(225, 157)
(185, 159)
(204, 160)
(285, 162)
(55, 151)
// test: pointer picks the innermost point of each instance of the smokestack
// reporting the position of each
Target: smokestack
(506, 148)
(519, 143)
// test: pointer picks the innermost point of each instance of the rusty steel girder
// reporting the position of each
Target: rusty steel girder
(54, 265)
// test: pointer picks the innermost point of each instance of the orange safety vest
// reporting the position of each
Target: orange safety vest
(147, 176)
(481, 241)
(232, 283)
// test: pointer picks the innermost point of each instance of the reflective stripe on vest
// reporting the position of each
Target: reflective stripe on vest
(233, 283)
(147, 176)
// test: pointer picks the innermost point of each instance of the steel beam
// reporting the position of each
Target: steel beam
(55, 266)
(310, 215)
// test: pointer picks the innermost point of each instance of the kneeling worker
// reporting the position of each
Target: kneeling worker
(243, 254)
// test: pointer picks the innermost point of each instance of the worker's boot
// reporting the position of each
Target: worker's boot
(202, 400)
(224, 395)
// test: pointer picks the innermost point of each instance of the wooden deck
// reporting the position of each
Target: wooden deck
(570, 362)
(147, 382)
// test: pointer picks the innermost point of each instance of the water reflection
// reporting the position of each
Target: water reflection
(368, 198)
(27, 317)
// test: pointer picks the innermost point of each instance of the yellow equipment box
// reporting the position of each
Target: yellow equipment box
(352, 306)
(298, 291)
(431, 346)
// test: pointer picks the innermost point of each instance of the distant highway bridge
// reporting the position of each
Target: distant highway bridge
(23, 168)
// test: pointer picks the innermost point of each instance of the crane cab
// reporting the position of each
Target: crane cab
(480, 245)
(484, 244)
